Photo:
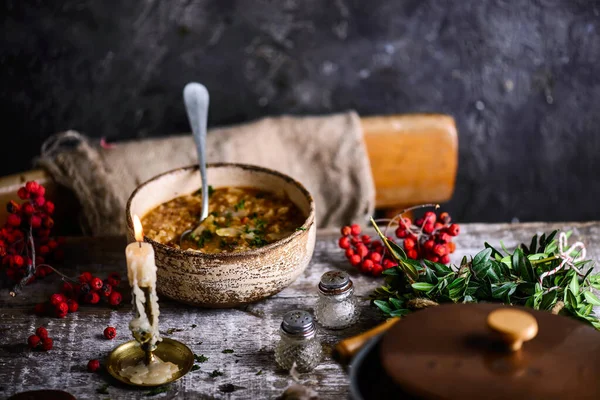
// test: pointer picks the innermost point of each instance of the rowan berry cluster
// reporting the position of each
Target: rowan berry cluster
(90, 290)
(429, 237)
(40, 340)
(25, 243)
(364, 253)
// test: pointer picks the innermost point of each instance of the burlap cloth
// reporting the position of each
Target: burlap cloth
(326, 154)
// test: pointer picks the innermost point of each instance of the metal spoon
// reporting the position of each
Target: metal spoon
(195, 97)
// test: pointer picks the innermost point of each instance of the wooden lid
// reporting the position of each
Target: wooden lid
(473, 351)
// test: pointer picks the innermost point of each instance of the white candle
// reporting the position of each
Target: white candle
(141, 271)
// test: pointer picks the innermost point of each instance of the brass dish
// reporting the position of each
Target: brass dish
(168, 350)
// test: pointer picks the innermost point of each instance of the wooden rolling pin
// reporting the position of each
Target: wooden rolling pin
(347, 348)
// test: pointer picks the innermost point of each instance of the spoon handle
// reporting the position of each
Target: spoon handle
(195, 97)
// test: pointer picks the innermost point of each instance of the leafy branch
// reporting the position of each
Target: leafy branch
(491, 276)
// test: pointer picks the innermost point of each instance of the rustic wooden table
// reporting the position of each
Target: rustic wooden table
(250, 371)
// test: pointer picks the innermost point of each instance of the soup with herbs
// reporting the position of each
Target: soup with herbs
(239, 219)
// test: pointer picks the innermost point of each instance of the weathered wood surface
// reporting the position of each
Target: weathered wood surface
(250, 331)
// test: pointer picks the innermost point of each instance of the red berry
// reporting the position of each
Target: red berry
(49, 207)
(33, 341)
(409, 243)
(73, 305)
(44, 250)
(39, 201)
(13, 220)
(451, 247)
(430, 216)
(376, 244)
(387, 264)
(41, 191)
(445, 217)
(438, 226)
(27, 209)
(41, 332)
(428, 245)
(106, 289)
(419, 221)
(96, 284)
(355, 260)
(344, 242)
(444, 237)
(366, 239)
(433, 258)
(407, 222)
(110, 333)
(13, 207)
(375, 257)
(454, 230)
(401, 233)
(440, 250)
(428, 227)
(32, 186)
(57, 298)
(85, 277)
(115, 298)
(52, 244)
(36, 221)
(92, 298)
(355, 229)
(114, 279)
(84, 288)
(412, 253)
(93, 365)
(349, 253)
(17, 261)
(377, 270)
(362, 250)
(366, 266)
(346, 230)
(40, 308)
(23, 193)
(61, 310)
(445, 259)
(47, 344)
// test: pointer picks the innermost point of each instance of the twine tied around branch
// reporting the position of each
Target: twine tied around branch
(567, 260)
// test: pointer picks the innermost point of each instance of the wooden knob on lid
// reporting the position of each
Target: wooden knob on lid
(514, 326)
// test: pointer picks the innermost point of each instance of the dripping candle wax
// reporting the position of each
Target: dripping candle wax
(141, 271)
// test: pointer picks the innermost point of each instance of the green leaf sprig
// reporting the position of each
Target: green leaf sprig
(490, 276)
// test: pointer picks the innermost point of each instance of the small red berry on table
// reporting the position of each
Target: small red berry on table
(41, 332)
(96, 284)
(344, 242)
(114, 279)
(355, 229)
(110, 333)
(73, 305)
(33, 341)
(57, 298)
(92, 298)
(47, 344)
(93, 365)
(61, 310)
(346, 231)
(106, 289)
(115, 298)
(85, 277)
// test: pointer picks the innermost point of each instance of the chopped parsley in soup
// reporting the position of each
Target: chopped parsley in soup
(239, 219)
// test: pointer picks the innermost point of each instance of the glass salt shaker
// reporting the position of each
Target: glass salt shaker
(336, 306)
(298, 342)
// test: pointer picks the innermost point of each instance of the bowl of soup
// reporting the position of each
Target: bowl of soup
(258, 238)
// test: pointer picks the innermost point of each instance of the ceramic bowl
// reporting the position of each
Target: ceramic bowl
(226, 279)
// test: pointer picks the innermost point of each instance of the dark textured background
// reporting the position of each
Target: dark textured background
(521, 77)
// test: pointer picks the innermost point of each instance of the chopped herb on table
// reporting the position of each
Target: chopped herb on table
(171, 331)
(158, 390)
(259, 372)
(227, 351)
(536, 275)
(200, 358)
(196, 367)
(215, 373)
(103, 389)
(194, 325)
